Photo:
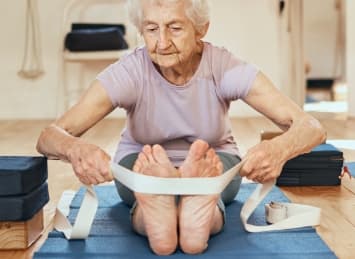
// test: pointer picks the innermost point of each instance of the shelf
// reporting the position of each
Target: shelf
(94, 55)
(76, 11)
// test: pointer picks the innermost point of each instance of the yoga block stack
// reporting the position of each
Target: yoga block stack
(23, 194)
(320, 167)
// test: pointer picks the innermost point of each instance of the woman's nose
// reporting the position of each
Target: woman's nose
(164, 40)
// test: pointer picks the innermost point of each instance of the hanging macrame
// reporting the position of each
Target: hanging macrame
(32, 65)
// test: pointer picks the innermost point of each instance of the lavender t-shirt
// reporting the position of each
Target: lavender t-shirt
(159, 112)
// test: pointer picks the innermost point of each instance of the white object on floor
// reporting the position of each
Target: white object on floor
(342, 143)
(324, 106)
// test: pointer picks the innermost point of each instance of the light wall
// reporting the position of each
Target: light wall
(233, 25)
(350, 53)
(21, 98)
(320, 30)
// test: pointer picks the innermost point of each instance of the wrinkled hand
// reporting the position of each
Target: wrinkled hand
(263, 162)
(90, 163)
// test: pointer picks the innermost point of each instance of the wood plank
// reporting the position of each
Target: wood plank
(337, 227)
(20, 234)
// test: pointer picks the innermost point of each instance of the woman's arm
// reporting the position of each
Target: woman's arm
(302, 132)
(60, 140)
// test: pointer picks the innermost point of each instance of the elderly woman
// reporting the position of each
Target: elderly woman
(177, 90)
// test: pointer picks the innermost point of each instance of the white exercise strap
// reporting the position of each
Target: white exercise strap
(292, 216)
(84, 219)
(280, 215)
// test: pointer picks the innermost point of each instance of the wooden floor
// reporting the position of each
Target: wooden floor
(337, 227)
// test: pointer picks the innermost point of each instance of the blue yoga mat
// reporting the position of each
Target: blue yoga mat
(111, 235)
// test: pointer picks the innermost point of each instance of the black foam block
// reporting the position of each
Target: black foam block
(20, 175)
(95, 26)
(322, 156)
(320, 167)
(23, 207)
(310, 177)
(95, 39)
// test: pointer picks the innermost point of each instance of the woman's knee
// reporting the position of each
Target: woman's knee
(231, 191)
(126, 194)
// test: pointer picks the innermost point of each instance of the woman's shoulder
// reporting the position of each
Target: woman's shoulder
(137, 54)
(133, 62)
(221, 57)
(215, 51)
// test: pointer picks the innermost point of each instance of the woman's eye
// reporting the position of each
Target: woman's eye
(176, 28)
(151, 29)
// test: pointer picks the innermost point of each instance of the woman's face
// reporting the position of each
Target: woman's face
(169, 35)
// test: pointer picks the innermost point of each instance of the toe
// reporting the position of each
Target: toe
(137, 166)
(140, 163)
(160, 155)
(216, 160)
(219, 167)
(210, 155)
(143, 159)
(147, 150)
(198, 150)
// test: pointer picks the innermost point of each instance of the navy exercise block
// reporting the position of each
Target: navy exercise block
(20, 175)
(322, 156)
(320, 167)
(23, 207)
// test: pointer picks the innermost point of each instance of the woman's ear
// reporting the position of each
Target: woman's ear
(202, 31)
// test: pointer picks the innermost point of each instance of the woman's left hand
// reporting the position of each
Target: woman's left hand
(263, 162)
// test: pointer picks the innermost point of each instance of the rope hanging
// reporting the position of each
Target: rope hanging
(32, 65)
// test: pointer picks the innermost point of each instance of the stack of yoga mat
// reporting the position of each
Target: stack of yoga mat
(320, 167)
(23, 193)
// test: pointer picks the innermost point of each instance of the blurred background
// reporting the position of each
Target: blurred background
(307, 48)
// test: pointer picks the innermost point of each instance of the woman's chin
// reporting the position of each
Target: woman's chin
(166, 62)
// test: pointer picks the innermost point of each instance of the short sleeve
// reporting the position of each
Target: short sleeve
(120, 82)
(236, 76)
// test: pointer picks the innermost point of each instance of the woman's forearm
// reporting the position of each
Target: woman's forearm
(301, 137)
(55, 143)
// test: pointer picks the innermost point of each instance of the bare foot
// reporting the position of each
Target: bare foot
(156, 215)
(199, 216)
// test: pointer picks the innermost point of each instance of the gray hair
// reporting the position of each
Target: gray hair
(197, 11)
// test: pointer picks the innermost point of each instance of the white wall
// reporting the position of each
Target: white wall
(320, 25)
(233, 25)
(24, 98)
(350, 53)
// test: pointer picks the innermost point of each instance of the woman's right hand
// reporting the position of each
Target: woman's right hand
(61, 140)
(90, 163)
